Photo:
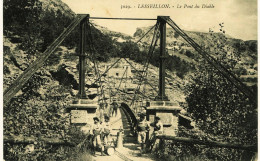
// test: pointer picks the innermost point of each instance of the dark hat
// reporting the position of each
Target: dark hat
(95, 118)
(157, 118)
(106, 117)
(142, 114)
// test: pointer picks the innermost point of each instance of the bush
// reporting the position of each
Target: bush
(218, 106)
(189, 54)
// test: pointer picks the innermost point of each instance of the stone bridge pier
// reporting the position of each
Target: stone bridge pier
(168, 112)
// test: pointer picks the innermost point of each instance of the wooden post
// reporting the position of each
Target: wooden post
(82, 57)
(209, 143)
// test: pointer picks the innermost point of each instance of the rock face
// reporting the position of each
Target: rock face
(66, 77)
(14, 62)
(57, 6)
(116, 36)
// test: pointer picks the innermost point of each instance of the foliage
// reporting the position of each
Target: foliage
(252, 46)
(173, 63)
(221, 111)
(131, 50)
(189, 54)
(38, 109)
(47, 25)
(103, 45)
(176, 35)
(35, 27)
(187, 152)
(172, 150)
(218, 107)
(241, 71)
(52, 24)
(36, 115)
(22, 17)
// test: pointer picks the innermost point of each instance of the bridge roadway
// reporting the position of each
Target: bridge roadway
(130, 150)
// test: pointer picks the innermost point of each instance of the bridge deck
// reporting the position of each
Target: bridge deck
(130, 150)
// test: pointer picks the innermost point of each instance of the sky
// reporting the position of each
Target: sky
(239, 16)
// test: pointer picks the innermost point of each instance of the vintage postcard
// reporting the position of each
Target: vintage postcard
(131, 80)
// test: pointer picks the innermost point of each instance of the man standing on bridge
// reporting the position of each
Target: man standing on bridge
(106, 130)
(114, 106)
(158, 130)
(142, 128)
(96, 131)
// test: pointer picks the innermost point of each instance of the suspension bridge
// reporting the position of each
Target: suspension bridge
(127, 118)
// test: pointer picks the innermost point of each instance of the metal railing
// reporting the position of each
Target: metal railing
(131, 116)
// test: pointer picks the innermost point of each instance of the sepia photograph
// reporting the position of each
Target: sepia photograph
(129, 80)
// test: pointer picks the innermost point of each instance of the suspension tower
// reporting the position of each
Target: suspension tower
(82, 110)
(161, 106)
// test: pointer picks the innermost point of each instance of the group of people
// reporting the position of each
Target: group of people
(143, 126)
(100, 132)
(112, 111)
(113, 107)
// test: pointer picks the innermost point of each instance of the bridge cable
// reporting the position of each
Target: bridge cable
(150, 52)
(121, 79)
(156, 27)
(10, 92)
(92, 48)
(193, 44)
(225, 72)
(145, 75)
(146, 64)
(142, 78)
(151, 49)
(93, 51)
(140, 74)
(125, 52)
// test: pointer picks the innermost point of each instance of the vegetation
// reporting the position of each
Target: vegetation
(173, 63)
(218, 107)
(32, 112)
(221, 111)
(36, 116)
(38, 28)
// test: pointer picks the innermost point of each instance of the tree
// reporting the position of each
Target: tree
(216, 104)
(21, 17)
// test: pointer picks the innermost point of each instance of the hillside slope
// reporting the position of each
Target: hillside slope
(219, 45)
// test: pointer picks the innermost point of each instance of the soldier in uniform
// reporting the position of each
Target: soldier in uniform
(158, 130)
(96, 131)
(142, 127)
(101, 111)
(158, 127)
(114, 106)
(106, 130)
